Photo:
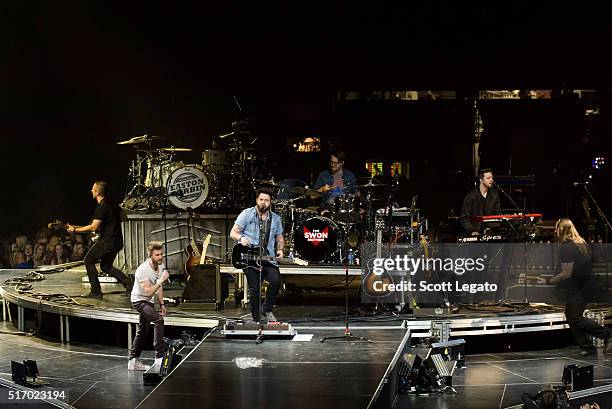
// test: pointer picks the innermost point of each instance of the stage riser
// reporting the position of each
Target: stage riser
(139, 229)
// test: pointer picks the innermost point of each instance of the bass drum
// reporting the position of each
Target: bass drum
(318, 240)
(187, 187)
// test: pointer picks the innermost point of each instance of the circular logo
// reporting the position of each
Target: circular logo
(188, 187)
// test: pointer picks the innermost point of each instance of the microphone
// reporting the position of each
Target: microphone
(166, 270)
(507, 196)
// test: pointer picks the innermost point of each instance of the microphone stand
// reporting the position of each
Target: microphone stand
(520, 210)
(347, 332)
(259, 264)
(601, 214)
(347, 336)
(528, 239)
(164, 218)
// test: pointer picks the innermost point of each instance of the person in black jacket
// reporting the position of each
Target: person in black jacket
(480, 201)
(107, 222)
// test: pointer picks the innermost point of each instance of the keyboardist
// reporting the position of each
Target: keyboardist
(483, 200)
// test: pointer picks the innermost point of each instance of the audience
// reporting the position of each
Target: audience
(78, 252)
(58, 255)
(28, 250)
(20, 260)
(47, 248)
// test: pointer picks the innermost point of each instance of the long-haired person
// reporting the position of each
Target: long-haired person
(576, 279)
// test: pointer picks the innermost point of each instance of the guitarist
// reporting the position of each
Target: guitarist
(257, 226)
(107, 221)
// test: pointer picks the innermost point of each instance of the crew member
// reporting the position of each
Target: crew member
(259, 227)
(148, 280)
(481, 201)
(107, 222)
(576, 279)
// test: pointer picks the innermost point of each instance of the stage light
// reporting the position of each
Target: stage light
(599, 161)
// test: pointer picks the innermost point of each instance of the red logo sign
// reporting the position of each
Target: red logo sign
(315, 237)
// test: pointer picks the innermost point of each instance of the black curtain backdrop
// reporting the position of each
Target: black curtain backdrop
(77, 77)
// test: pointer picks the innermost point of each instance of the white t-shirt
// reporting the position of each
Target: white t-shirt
(145, 272)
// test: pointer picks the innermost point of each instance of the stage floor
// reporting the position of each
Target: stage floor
(58, 293)
(96, 376)
(280, 373)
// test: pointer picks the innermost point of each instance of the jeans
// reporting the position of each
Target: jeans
(148, 315)
(106, 253)
(271, 274)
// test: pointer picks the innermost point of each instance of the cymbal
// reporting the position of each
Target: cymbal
(270, 182)
(140, 139)
(371, 185)
(172, 149)
(306, 192)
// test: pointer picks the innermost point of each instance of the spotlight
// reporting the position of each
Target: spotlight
(599, 161)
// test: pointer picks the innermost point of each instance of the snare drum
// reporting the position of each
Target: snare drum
(318, 239)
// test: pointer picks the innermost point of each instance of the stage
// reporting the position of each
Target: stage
(283, 371)
(57, 297)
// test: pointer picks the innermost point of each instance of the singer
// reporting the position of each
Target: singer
(149, 278)
(481, 201)
(259, 227)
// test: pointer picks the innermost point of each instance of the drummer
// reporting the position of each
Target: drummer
(335, 181)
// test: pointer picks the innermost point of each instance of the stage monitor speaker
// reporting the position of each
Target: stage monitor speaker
(18, 373)
(576, 378)
(206, 285)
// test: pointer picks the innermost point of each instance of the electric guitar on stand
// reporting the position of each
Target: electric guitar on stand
(196, 254)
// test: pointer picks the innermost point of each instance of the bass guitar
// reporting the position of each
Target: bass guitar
(60, 225)
(243, 257)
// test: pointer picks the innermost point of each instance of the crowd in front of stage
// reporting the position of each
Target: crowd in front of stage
(47, 248)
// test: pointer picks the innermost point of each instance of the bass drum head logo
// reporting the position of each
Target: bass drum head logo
(317, 239)
(187, 187)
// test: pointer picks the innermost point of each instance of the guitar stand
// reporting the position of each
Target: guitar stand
(347, 332)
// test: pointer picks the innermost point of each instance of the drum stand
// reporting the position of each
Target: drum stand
(347, 332)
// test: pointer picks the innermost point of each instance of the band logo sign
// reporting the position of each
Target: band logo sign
(187, 187)
(316, 236)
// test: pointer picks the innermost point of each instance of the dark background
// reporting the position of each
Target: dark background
(77, 77)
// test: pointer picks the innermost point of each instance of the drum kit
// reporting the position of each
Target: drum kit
(332, 236)
(155, 176)
(225, 180)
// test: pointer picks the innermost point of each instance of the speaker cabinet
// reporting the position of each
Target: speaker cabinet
(206, 286)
